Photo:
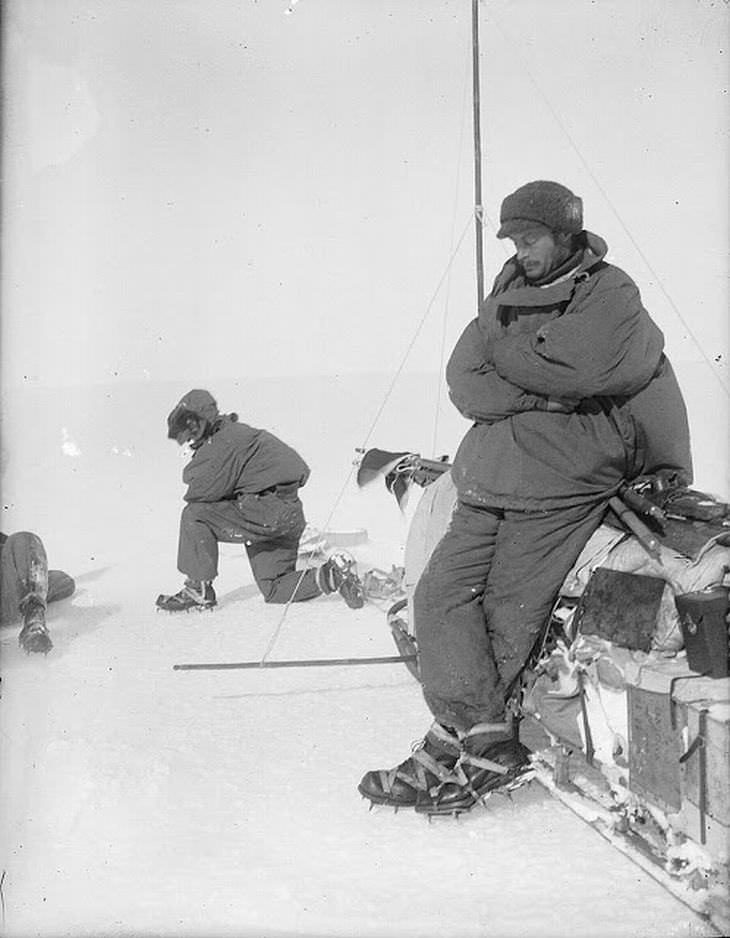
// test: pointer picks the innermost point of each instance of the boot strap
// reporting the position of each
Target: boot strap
(421, 757)
(480, 729)
(480, 763)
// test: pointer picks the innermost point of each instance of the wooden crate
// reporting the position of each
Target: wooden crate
(655, 747)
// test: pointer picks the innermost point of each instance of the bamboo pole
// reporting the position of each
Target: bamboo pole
(302, 663)
(478, 207)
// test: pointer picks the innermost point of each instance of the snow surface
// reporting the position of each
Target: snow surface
(138, 800)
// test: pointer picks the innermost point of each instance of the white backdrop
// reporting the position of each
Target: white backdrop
(235, 196)
(196, 191)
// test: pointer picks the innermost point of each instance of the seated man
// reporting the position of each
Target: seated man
(27, 586)
(564, 377)
(243, 486)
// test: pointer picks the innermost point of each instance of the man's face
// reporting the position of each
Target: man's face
(190, 432)
(539, 251)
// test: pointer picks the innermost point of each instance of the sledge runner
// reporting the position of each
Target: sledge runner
(27, 586)
(564, 376)
(243, 488)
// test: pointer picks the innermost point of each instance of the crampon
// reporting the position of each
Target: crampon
(449, 772)
(191, 596)
(339, 575)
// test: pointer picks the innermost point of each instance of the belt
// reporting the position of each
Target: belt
(283, 490)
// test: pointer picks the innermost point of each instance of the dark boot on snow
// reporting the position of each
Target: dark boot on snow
(430, 763)
(194, 595)
(34, 635)
(497, 766)
(450, 771)
(339, 575)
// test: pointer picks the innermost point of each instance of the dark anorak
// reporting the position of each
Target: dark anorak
(243, 489)
(239, 460)
(586, 341)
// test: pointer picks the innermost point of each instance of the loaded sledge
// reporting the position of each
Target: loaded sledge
(627, 690)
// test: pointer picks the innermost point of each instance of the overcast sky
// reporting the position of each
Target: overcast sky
(200, 189)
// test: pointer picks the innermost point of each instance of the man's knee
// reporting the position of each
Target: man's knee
(423, 594)
(269, 592)
(60, 585)
(24, 540)
(433, 599)
(198, 520)
(437, 591)
(194, 511)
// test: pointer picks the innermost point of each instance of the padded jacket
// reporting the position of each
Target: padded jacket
(238, 459)
(568, 388)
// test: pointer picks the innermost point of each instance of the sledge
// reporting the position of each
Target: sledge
(627, 693)
(315, 542)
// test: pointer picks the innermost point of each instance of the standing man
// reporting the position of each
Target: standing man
(243, 488)
(27, 586)
(564, 377)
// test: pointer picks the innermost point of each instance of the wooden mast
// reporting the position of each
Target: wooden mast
(478, 208)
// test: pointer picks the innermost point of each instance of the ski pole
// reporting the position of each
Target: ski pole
(302, 663)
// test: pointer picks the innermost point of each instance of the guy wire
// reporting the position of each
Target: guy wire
(614, 210)
(442, 352)
(373, 424)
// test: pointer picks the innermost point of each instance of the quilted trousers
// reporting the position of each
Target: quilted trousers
(483, 599)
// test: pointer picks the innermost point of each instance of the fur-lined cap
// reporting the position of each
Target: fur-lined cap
(543, 203)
